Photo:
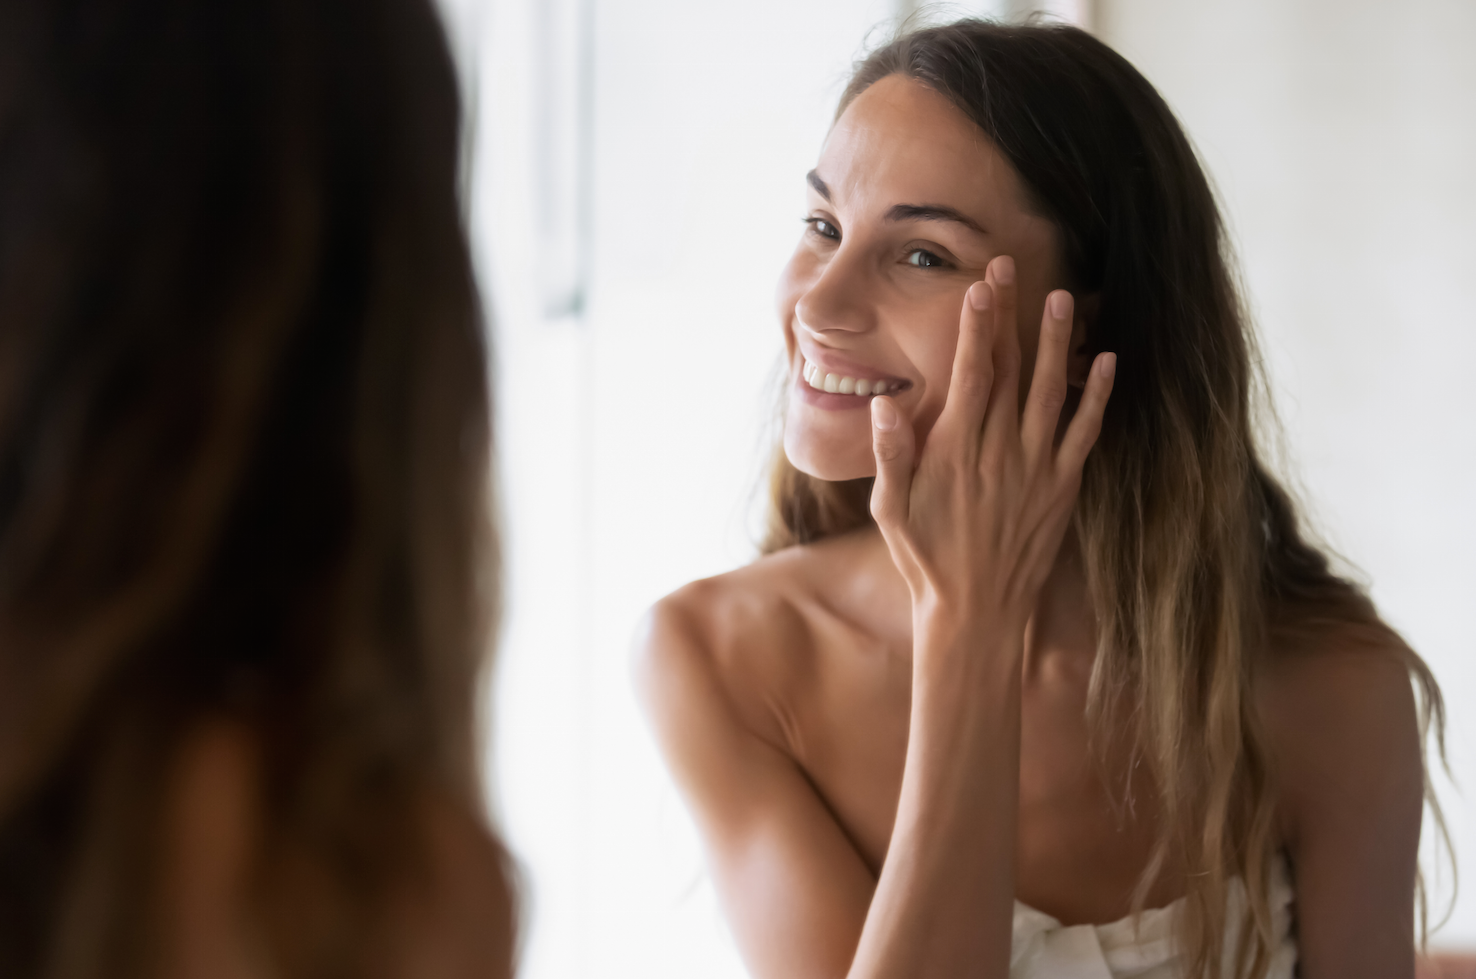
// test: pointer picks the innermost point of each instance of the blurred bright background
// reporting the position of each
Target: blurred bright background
(636, 183)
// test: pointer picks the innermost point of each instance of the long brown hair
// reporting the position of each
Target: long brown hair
(243, 453)
(1195, 559)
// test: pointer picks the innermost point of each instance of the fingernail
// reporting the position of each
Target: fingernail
(1060, 301)
(1107, 366)
(883, 415)
(979, 295)
(1004, 270)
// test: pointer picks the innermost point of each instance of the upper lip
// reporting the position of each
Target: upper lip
(834, 364)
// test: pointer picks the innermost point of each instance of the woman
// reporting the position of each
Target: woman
(243, 463)
(1010, 708)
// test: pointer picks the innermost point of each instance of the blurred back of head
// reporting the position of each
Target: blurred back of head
(243, 455)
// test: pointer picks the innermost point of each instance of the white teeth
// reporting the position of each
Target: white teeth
(841, 384)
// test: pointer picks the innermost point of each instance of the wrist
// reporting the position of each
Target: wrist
(942, 622)
(965, 655)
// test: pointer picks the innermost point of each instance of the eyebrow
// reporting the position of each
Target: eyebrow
(818, 184)
(933, 212)
(909, 212)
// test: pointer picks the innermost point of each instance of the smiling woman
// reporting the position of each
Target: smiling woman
(1037, 643)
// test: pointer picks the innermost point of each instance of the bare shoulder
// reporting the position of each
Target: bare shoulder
(453, 919)
(1343, 728)
(741, 637)
(734, 615)
(1335, 685)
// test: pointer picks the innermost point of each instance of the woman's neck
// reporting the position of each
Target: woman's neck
(1062, 632)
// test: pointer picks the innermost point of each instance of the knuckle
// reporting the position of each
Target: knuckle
(1058, 331)
(887, 450)
(1051, 396)
(991, 466)
(975, 385)
(1007, 364)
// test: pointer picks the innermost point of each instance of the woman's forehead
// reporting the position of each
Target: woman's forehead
(899, 141)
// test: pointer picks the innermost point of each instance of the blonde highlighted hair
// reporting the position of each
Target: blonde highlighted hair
(1196, 562)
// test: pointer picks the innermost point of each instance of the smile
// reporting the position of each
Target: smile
(843, 384)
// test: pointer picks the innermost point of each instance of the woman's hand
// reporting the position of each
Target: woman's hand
(974, 527)
(974, 524)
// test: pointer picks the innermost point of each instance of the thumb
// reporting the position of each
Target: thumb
(891, 441)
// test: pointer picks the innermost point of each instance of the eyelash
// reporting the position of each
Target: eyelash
(815, 224)
(938, 262)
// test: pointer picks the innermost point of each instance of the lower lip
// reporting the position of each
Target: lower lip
(830, 402)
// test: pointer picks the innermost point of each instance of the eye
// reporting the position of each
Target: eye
(823, 228)
(924, 259)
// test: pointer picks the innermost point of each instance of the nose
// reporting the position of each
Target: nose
(837, 300)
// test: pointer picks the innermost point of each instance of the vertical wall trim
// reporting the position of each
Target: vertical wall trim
(563, 121)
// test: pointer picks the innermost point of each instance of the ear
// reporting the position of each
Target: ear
(1079, 362)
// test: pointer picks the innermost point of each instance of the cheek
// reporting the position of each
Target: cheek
(793, 281)
(929, 338)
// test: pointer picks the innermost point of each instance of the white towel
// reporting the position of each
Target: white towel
(1043, 948)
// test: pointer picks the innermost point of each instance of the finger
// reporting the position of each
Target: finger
(891, 442)
(973, 368)
(1082, 433)
(1048, 383)
(1002, 416)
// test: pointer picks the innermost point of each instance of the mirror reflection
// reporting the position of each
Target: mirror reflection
(712, 449)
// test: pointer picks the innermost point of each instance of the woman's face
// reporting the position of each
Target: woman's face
(907, 206)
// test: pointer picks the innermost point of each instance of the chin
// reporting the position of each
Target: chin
(830, 459)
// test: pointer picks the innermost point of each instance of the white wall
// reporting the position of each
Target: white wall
(631, 442)
(1342, 137)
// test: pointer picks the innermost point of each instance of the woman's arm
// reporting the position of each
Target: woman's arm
(794, 889)
(1350, 784)
(973, 524)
